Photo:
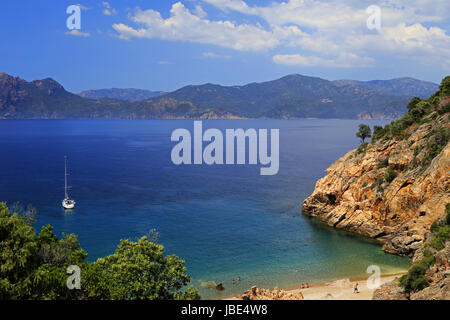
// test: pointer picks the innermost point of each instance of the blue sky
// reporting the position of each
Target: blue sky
(164, 45)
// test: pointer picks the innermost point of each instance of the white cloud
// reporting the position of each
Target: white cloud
(78, 33)
(83, 7)
(213, 55)
(199, 12)
(182, 25)
(338, 13)
(327, 33)
(417, 36)
(107, 9)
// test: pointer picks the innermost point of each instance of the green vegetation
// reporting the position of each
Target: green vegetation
(436, 142)
(364, 132)
(383, 163)
(390, 175)
(378, 182)
(378, 133)
(420, 111)
(35, 267)
(362, 148)
(441, 231)
(138, 270)
(415, 279)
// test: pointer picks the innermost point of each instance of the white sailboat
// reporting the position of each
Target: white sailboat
(67, 203)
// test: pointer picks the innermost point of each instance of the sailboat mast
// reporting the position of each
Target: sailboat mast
(65, 178)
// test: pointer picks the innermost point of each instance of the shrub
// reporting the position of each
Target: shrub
(415, 279)
(362, 148)
(377, 182)
(390, 175)
(380, 189)
(384, 163)
(444, 108)
(447, 217)
(379, 132)
(442, 235)
(435, 226)
(413, 102)
(444, 87)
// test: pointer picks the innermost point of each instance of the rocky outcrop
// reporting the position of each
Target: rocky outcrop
(389, 291)
(437, 275)
(384, 191)
(265, 294)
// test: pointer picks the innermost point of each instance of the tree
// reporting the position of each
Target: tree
(444, 87)
(378, 132)
(413, 102)
(34, 267)
(364, 132)
(139, 270)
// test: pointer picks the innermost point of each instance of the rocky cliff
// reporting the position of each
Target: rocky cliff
(394, 187)
(429, 276)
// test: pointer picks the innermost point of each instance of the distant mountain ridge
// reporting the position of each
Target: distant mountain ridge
(47, 99)
(297, 96)
(121, 94)
(400, 86)
(293, 96)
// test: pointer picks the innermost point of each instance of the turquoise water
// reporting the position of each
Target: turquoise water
(225, 221)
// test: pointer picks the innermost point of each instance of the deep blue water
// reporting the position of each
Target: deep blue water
(225, 221)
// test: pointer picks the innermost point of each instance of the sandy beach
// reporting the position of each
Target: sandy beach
(342, 289)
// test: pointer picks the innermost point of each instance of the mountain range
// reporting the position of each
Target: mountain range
(293, 96)
(121, 94)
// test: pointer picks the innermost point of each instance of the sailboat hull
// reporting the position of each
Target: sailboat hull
(68, 204)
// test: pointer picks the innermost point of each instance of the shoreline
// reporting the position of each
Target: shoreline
(338, 289)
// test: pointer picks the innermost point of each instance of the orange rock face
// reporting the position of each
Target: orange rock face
(356, 196)
(256, 293)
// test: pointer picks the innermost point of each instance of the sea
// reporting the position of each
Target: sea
(225, 221)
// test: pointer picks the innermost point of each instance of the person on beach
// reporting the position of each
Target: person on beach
(355, 290)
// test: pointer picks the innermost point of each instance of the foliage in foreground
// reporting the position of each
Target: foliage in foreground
(34, 267)
(415, 279)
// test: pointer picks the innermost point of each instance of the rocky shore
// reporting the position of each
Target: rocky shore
(256, 293)
(437, 276)
(382, 191)
(396, 189)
